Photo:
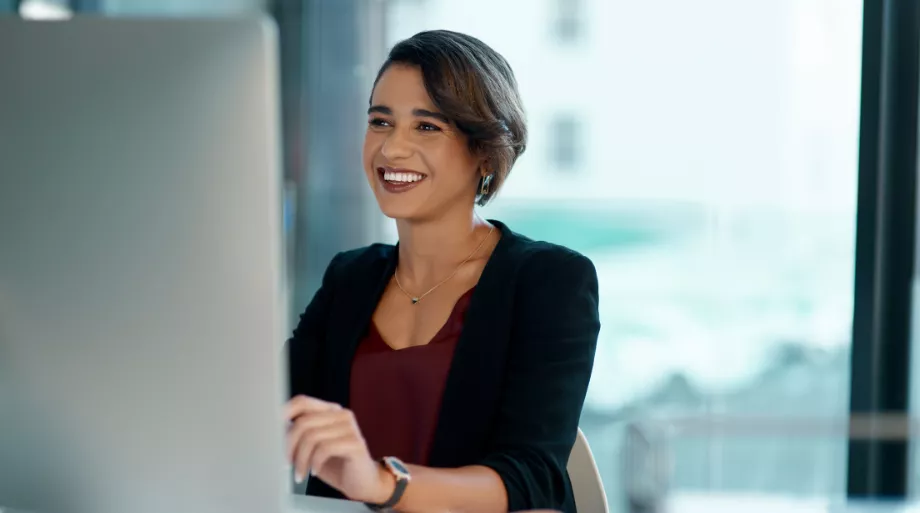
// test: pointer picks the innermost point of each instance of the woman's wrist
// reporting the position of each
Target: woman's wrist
(386, 485)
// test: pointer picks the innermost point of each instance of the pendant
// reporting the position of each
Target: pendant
(415, 300)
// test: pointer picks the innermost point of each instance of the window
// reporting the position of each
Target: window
(568, 24)
(45, 9)
(564, 140)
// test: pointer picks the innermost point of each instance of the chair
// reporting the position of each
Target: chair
(586, 480)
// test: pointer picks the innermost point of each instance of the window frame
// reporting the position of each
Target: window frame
(885, 244)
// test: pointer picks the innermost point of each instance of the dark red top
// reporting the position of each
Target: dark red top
(396, 394)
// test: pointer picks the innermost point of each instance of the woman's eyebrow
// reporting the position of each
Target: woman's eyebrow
(422, 113)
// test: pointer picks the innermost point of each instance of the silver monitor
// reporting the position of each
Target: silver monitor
(141, 308)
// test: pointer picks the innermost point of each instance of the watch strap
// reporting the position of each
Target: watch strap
(401, 485)
(398, 491)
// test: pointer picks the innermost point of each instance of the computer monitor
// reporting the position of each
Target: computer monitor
(141, 298)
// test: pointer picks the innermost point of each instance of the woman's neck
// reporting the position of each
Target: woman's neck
(428, 250)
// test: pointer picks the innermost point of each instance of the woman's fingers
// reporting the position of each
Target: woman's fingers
(342, 447)
(311, 431)
(303, 424)
(302, 404)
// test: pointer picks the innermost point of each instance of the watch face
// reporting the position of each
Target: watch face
(397, 467)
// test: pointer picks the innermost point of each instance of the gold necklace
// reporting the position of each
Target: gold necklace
(416, 299)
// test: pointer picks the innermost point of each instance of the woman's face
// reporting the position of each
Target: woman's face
(417, 163)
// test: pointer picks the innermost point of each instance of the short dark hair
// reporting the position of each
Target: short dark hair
(473, 86)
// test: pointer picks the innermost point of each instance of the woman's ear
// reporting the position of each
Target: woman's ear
(484, 167)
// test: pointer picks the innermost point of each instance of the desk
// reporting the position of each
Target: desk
(299, 504)
(681, 503)
(304, 504)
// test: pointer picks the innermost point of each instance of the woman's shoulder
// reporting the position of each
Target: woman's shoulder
(555, 288)
(365, 256)
(541, 259)
(365, 262)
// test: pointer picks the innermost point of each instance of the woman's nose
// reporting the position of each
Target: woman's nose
(396, 146)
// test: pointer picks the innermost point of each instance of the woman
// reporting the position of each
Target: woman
(448, 372)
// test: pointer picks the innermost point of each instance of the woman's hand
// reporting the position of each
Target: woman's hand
(323, 439)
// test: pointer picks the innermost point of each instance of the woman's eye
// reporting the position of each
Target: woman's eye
(378, 122)
(428, 127)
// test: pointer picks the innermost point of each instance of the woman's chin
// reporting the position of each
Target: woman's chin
(398, 212)
(399, 208)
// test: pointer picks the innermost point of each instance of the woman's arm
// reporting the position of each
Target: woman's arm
(324, 440)
(473, 489)
(554, 338)
(304, 347)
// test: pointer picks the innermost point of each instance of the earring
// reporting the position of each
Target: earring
(485, 185)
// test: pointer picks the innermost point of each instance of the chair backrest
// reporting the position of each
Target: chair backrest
(586, 480)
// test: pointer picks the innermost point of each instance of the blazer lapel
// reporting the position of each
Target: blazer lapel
(360, 294)
(477, 369)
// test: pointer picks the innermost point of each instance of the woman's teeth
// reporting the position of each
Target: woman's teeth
(402, 177)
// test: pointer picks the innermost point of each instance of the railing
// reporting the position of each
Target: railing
(647, 458)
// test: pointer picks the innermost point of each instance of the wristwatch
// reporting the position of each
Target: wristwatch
(401, 473)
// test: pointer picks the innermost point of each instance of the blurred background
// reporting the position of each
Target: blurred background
(703, 154)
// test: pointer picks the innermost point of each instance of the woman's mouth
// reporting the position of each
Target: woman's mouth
(397, 180)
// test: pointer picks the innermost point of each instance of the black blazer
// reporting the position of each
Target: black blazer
(520, 372)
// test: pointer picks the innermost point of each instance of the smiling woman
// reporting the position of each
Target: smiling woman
(447, 372)
(418, 106)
